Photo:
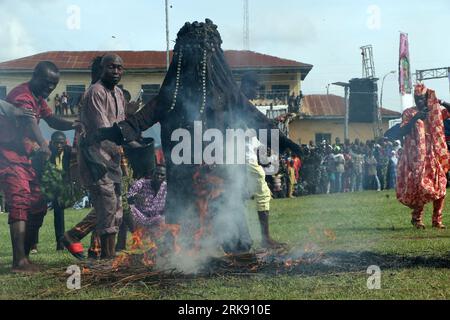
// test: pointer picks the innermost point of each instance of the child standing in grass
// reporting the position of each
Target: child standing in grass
(291, 179)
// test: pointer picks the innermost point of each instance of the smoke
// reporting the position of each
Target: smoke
(229, 227)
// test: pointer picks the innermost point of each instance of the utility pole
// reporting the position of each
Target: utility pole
(379, 118)
(167, 36)
(246, 28)
(347, 105)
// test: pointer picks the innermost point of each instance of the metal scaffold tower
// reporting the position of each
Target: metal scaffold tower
(368, 69)
(436, 73)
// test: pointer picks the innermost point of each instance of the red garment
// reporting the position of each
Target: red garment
(438, 207)
(22, 192)
(17, 177)
(425, 158)
(22, 97)
(297, 166)
(159, 156)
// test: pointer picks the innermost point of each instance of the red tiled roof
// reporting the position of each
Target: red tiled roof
(329, 105)
(81, 60)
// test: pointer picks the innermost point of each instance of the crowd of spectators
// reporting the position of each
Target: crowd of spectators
(334, 168)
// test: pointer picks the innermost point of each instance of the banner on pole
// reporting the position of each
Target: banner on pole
(448, 74)
(405, 79)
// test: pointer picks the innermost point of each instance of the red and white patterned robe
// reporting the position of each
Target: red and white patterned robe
(425, 158)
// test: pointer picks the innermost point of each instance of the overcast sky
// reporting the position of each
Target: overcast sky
(325, 33)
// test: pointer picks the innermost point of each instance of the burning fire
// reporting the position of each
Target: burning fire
(330, 234)
(207, 188)
(144, 242)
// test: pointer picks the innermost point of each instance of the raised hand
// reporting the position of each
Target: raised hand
(79, 126)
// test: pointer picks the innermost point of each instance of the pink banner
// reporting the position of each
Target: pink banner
(405, 80)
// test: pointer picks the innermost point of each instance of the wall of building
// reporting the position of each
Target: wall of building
(291, 79)
(133, 81)
(12, 80)
(302, 131)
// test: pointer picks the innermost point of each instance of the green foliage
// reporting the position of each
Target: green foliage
(55, 187)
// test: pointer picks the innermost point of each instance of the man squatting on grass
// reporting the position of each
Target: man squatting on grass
(17, 177)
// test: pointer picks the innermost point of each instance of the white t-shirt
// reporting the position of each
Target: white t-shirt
(274, 165)
(251, 150)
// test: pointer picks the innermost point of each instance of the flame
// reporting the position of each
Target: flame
(309, 247)
(95, 247)
(207, 187)
(330, 234)
(136, 239)
(138, 243)
(148, 260)
(288, 263)
(121, 260)
(174, 230)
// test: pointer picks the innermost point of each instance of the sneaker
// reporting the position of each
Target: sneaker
(34, 250)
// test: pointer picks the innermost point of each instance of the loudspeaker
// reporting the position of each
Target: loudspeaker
(363, 100)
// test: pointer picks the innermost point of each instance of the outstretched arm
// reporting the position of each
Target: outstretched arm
(131, 128)
(406, 129)
(256, 120)
(57, 123)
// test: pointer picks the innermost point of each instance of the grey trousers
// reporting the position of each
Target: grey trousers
(107, 202)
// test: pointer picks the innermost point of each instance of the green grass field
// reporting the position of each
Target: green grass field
(353, 231)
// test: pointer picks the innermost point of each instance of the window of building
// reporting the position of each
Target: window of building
(75, 92)
(262, 92)
(149, 92)
(280, 91)
(2, 92)
(323, 136)
(284, 88)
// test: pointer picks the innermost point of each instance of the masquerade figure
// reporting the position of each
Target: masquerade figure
(424, 162)
(207, 201)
